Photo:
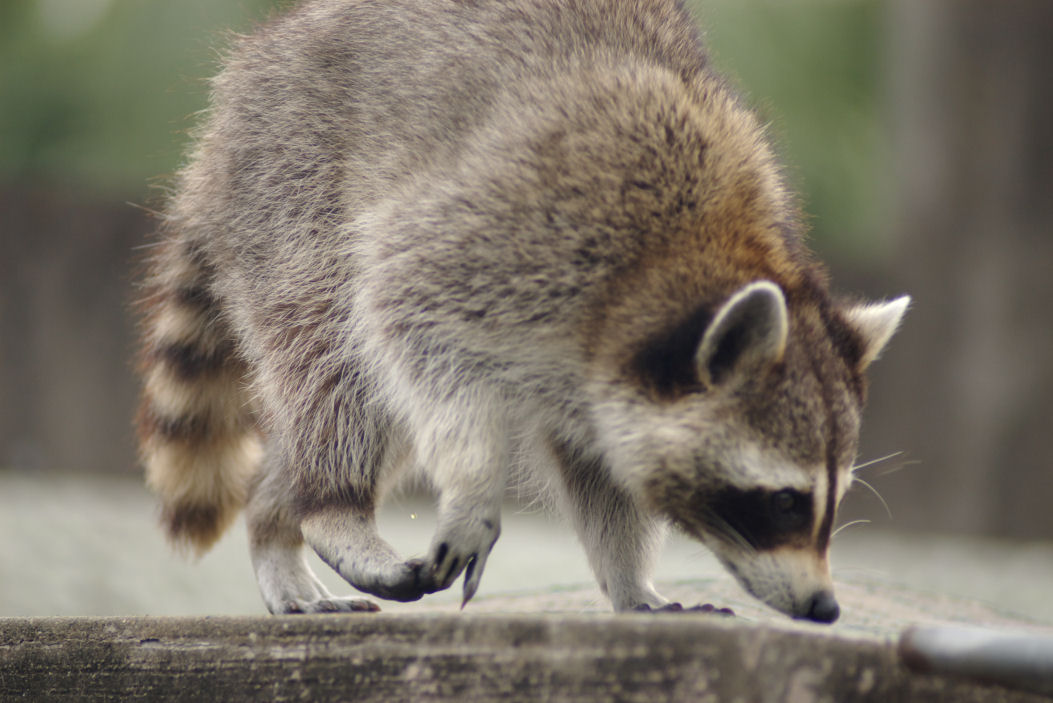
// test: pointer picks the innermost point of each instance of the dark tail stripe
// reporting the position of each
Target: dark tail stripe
(193, 429)
(197, 298)
(198, 525)
(188, 361)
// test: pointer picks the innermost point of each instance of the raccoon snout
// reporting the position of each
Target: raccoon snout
(822, 607)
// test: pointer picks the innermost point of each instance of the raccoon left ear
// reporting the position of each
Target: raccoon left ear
(876, 323)
(748, 331)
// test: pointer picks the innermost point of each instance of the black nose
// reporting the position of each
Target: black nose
(823, 607)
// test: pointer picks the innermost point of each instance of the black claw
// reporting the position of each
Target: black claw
(450, 571)
(440, 554)
(667, 608)
(710, 608)
(678, 608)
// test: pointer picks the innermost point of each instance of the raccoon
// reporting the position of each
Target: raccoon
(445, 239)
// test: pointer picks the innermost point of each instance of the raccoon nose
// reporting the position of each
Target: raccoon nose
(823, 607)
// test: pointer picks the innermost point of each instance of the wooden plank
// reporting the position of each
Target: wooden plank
(456, 658)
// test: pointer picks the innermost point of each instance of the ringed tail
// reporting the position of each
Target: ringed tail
(197, 435)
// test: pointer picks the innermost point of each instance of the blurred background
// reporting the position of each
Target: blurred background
(919, 134)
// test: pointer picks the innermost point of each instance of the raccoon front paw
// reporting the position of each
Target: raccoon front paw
(325, 605)
(678, 608)
(463, 547)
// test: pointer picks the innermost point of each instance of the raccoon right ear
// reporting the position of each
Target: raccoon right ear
(748, 332)
(876, 323)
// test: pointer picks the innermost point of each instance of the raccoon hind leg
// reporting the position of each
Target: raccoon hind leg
(285, 579)
(322, 494)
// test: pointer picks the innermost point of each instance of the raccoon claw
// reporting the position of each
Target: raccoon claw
(444, 570)
(473, 574)
(678, 608)
(449, 561)
(709, 608)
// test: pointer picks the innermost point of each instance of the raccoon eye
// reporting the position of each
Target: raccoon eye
(763, 517)
(789, 509)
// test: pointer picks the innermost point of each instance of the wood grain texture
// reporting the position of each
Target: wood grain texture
(462, 658)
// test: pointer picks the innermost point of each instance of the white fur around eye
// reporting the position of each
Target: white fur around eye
(760, 468)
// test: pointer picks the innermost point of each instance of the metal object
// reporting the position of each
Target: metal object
(1016, 659)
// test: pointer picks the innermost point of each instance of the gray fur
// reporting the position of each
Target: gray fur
(449, 237)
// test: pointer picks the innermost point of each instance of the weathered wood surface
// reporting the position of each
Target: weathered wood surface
(441, 657)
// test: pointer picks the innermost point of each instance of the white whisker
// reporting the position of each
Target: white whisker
(899, 467)
(848, 524)
(873, 490)
(864, 465)
(721, 528)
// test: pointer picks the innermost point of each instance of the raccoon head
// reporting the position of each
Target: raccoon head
(749, 447)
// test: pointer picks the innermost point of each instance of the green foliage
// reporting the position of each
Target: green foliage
(96, 93)
(99, 93)
(812, 68)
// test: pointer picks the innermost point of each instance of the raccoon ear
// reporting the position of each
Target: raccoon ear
(876, 323)
(747, 332)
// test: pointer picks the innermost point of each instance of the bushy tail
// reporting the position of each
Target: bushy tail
(197, 435)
